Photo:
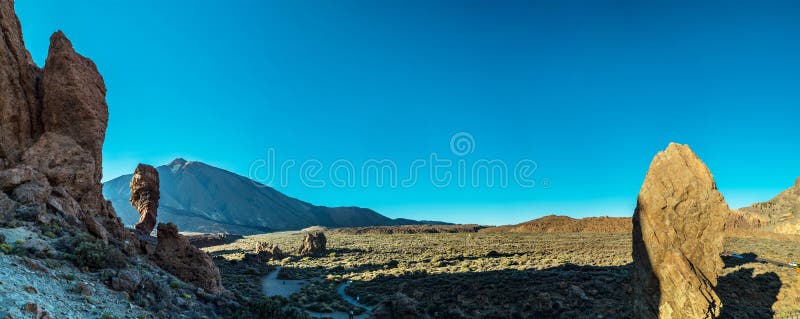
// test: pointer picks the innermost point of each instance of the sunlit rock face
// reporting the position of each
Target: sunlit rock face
(677, 238)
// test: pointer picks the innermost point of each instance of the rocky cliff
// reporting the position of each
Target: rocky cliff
(53, 127)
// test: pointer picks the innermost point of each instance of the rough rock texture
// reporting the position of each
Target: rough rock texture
(313, 243)
(74, 99)
(780, 214)
(20, 97)
(64, 162)
(52, 128)
(738, 219)
(176, 255)
(677, 238)
(265, 252)
(144, 196)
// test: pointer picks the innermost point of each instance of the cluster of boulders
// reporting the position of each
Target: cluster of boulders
(677, 238)
(265, 252)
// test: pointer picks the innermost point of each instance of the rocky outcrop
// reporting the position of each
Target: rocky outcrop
(780, 214)
(739, 219)
(144, 196)
(313, 243)
(265, 252)
(176, 255)
(677, 238)
(52, 128)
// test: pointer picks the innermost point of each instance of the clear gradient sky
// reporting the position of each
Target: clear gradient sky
(588, 90)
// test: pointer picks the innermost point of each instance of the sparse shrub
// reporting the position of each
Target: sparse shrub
(94, 254)
(174, 284)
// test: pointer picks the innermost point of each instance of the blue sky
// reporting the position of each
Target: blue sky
(590, 91)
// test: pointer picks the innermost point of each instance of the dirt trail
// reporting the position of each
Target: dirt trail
(272, 286)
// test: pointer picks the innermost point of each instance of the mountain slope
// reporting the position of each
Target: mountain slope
(202, 198)
(782, 213)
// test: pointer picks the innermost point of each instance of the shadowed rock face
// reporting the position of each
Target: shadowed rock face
(53, 121)
(677, 238)
(176, 255)
(144, 196)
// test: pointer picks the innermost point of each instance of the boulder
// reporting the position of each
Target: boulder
(26, 185)
(126, 280)
(313, 243)
(7, 208)
(13, 177)
(398, 306)
(61, 201)
(677, 238)
(176, 255)
(144, 196)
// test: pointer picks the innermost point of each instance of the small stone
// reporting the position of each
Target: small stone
(30, 289)
(33, 308)
(85, 290)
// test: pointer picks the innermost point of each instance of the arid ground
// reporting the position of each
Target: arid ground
(504, 275)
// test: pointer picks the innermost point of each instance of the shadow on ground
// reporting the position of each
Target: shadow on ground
(744, 295)
(566, 291)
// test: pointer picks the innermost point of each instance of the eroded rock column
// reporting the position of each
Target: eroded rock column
(144, 196)
(677, 238)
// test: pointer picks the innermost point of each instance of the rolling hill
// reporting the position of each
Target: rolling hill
(203, 198)
(565, 224)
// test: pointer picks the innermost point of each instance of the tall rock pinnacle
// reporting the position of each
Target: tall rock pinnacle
(677, 238)
(144, 196)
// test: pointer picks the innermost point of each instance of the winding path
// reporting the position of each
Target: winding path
(272, 286)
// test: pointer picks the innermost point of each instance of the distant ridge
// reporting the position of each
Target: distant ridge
(202, 198)
(565, 224)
